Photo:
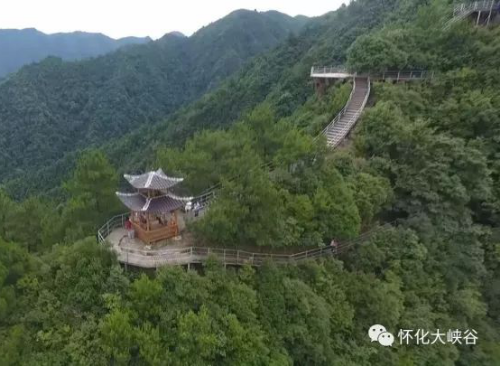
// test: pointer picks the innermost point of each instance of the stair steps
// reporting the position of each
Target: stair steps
(339, 128)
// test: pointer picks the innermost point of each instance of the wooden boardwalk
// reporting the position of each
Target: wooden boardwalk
(113, 234)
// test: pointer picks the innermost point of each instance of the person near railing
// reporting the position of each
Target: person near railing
(333, 246)
(197, 208)
(129, 228)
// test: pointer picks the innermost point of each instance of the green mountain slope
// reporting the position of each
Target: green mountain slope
(52, 108)
(19, 47)
(417, 183)
(280, 75)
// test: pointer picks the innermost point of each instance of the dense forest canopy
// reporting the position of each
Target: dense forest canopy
(52, 108)
(424, 159)
(281, 76)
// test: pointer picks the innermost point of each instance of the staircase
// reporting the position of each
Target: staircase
(463, 10)
(341, 125)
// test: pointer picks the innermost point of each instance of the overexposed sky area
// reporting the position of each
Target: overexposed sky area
(154, 18)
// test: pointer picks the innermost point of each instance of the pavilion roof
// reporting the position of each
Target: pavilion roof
(139, 203)
(156, 180)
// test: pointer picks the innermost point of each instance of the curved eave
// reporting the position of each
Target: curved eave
(139, 203)
(156, 180)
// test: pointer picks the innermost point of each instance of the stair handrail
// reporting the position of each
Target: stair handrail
(341, 112)
(354, 118)
(462, 10)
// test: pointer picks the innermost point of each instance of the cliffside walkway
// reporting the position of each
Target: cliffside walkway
(340, 72)
(337, 130)
(113, 232)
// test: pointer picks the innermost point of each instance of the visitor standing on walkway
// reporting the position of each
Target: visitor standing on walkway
(197, 209)
(333, 246)
(130, 230)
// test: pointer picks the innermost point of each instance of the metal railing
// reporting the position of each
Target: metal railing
(329, 70)
(351, 122)
(341, 112)
(112, 224)
(230, 256)
(402, 74)
(464, 9)
(398, 75)
(353, 119)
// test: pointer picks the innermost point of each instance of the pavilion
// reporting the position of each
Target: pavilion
(154, 208)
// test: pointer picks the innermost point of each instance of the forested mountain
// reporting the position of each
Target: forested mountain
(423, 161)
(19, 47)
(78, 104)
(281, 75)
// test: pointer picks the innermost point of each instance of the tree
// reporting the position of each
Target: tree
(27, 223)
(6, 208)
(117, 336)
(249, 210)
(14, 264)
(92, 195)
(336, 213)
(375, 53)
(371, 194)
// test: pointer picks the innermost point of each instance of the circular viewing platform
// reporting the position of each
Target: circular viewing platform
(181, 251)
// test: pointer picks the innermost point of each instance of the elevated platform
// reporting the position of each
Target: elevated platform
(134, 252)
(328, 72)
(481, 12)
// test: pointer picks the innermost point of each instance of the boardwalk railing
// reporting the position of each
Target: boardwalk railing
(112, 224)
(228, 256)
(398, 75)
(329, 70)
(464, 9)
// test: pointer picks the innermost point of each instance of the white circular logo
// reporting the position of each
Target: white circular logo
(375, 331)
(386, 339)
